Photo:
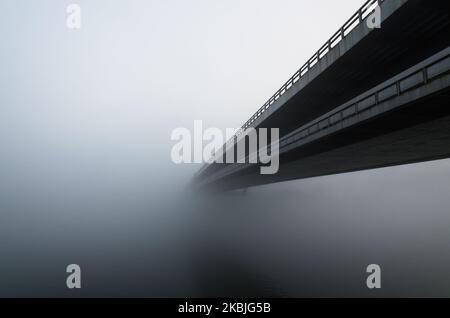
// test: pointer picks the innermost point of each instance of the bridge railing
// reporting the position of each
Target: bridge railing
(336, 38)
(358, 17)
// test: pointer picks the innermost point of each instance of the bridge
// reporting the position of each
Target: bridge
(368, 98)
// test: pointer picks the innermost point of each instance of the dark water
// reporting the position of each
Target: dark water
(297, 239)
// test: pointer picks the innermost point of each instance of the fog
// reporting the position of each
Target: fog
(86, 175)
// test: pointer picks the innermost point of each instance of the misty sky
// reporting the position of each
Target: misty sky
(107, 97)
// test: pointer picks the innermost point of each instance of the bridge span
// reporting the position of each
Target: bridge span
(368, 98)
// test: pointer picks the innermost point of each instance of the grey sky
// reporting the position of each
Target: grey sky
(111, 93)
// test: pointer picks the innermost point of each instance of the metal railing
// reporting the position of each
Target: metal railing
(358, 17)
(337, 37)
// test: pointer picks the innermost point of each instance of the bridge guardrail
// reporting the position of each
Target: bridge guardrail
(358, 17)
(335, 39)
